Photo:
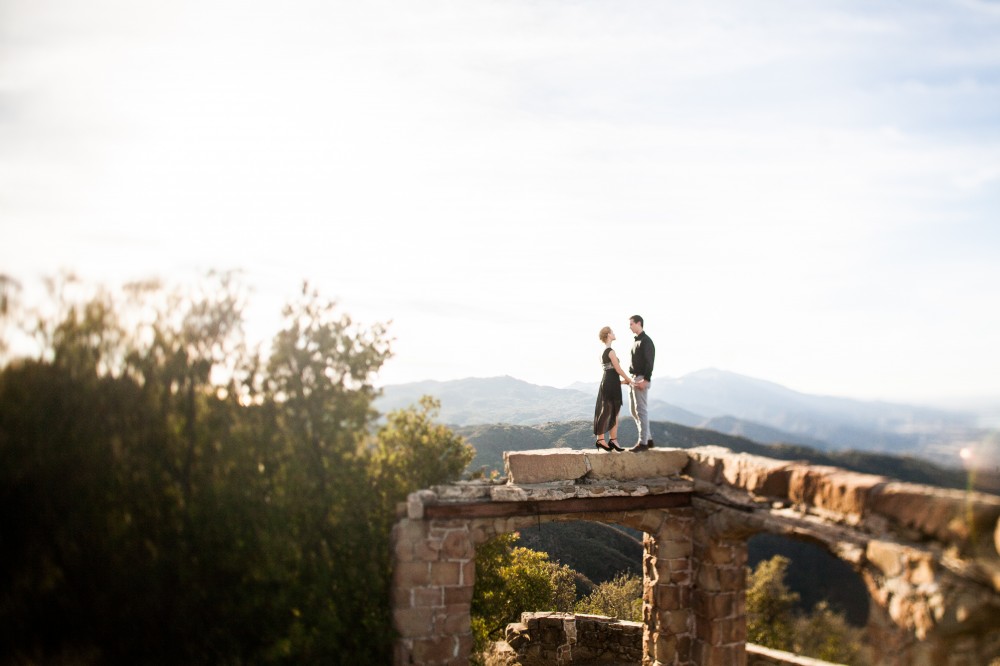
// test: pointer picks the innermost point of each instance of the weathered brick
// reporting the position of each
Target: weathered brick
(651, 521)
(673, 550)
(721, 554)
(468, 572)
(460, 594)
(680, 576)
(708, 579)
(734, 578)
(411, 574)
(676, 622)
(413, 622)
(445, 573)
(457, 545)
(423, 550)
(428, 596)
(452, 620)
(437, 650)
(665, 646)
(668, 597)
(719, 605)
(402, 549)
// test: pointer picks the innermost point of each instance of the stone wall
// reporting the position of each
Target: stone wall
(564, 639)
(548, 639)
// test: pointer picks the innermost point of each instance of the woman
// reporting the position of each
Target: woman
(609, 396)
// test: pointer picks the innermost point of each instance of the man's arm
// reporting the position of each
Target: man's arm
(648, 354)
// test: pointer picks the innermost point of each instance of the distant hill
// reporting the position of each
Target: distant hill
(716, 400)
(509, 400)
(842, 422)
(490, 441)
(597, 550)
(731, 425)
(491, 400)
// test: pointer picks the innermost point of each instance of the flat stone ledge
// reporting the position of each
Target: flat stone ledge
(589, 489)
(555, 465)
(451, 499)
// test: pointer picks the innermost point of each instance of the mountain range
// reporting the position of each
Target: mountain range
(724, 402)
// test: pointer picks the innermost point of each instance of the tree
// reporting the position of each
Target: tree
(772, 621)
(511, 580)
(167, 496)
(825, 634)
(412, 452)
(770, 605)
(319, 385)
(620, 597)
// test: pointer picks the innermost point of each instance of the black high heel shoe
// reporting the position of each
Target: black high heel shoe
(614, 445)
(599, 444)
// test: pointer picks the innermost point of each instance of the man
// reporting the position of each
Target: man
(641, 370)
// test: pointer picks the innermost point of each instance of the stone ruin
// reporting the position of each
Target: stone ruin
(929, 557)
(556, 639)
(540, 639)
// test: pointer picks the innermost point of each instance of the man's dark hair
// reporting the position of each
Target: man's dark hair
(637, 319)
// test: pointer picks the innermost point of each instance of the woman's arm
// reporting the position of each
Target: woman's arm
(614, 362)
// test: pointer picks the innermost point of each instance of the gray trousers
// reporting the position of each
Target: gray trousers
(637, 401)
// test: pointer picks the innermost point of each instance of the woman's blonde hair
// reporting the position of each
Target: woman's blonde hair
(605, 332)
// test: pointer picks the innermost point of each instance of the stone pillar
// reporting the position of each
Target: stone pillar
(432, 585)
(719, 598)
(667, 577)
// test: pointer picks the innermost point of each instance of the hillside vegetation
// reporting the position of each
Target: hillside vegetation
(490, 441)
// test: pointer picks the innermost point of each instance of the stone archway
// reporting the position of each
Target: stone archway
(816, 574)
(697, 508)
(434, 576)
(693, 581)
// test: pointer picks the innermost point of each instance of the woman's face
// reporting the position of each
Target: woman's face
(611, 336)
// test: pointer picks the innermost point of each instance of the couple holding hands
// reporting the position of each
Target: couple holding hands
(609, 397)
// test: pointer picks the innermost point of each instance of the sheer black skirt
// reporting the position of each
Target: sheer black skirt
(606, 410)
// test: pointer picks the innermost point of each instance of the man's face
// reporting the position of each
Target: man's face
(634, 327)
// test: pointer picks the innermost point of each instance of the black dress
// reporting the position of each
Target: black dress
(609, 397)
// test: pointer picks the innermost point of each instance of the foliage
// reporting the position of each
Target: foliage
(825, 634)
(772, 620)
(770, 605)
(598, 551)
(412, 451)
(511, 580)
(169, 496)
(620, 597)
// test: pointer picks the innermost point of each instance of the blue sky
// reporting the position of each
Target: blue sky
(805, 192)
